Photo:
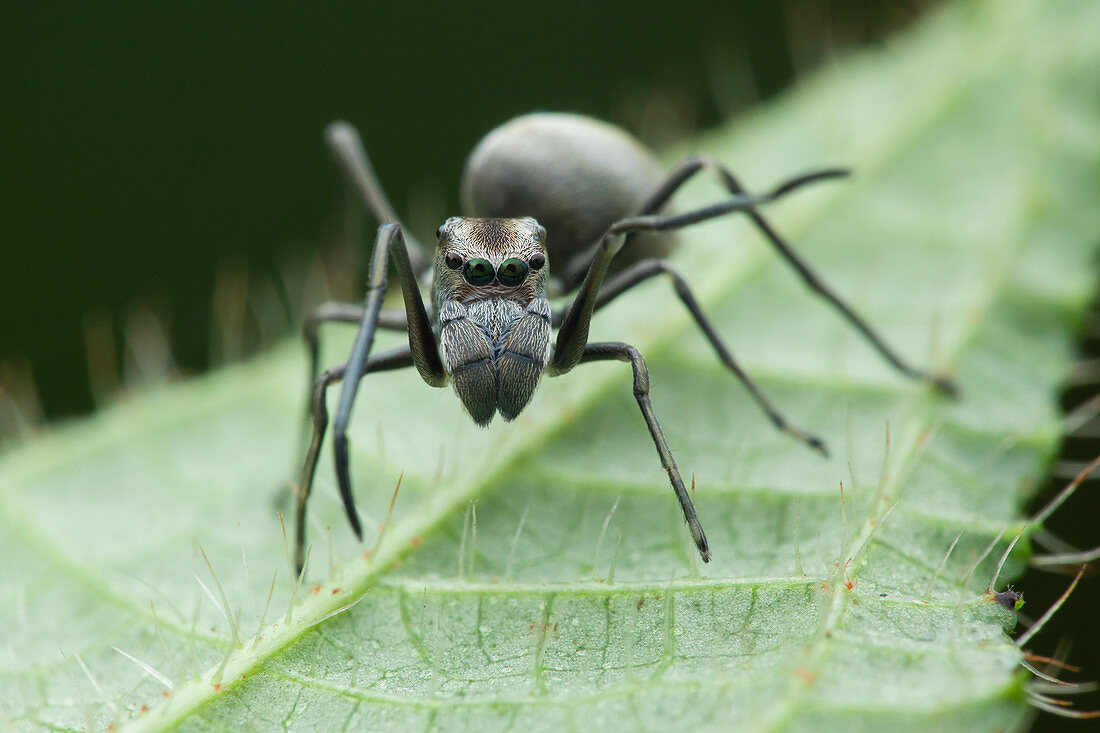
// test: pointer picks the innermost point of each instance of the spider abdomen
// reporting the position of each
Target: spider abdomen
(574, 174)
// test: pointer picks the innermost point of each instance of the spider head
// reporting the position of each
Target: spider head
(478, 259)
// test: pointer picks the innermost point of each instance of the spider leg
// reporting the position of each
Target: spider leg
(422, 347)
(343, 140)
(646, 269)
(574, 326)
(691, 165)
(398, 358)
(390, 319)
(626, 352)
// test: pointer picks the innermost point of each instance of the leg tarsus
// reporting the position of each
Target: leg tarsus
(343, 480)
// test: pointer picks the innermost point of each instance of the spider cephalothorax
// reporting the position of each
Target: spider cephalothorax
(489, 292)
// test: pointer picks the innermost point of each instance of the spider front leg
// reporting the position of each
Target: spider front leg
(423, 353)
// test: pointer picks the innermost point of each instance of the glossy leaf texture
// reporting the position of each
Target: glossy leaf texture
(537, 575)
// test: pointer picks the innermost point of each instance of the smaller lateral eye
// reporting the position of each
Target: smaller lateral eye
(454, 261)
(439, 232)
(536, 262)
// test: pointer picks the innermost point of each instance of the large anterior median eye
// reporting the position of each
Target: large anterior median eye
(512, 271)
(478, 272)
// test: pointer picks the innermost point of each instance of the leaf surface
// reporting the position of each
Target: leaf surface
(537, 575)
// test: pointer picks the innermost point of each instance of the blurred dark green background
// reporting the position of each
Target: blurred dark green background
(146, 147)
(149, 150)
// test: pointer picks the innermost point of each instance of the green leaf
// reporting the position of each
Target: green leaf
(537, 575)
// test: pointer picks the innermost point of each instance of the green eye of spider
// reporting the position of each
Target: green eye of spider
(478, 272)
(512, 271)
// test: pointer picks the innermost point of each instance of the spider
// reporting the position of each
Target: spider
(539, 187)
